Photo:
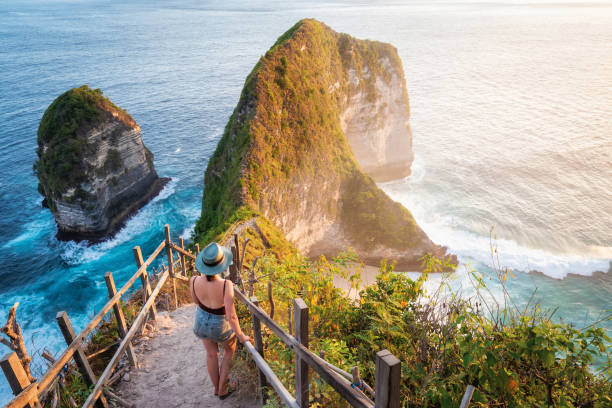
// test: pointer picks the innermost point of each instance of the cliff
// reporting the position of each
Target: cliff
(318, 110)
(93, 168)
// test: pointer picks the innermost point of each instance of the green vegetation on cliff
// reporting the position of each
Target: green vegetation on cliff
(61, 139)
(285, 133)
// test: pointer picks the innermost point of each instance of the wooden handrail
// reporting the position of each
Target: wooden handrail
(48, 378)
(339, 383)
(273, 380)
(182, 251)
(333, 375)
(97, 391)
(29, 394)
(467, 397)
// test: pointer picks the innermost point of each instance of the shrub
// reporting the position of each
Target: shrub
(515, 358)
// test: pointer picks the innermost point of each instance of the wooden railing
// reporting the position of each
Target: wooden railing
(388, 367)
(349, 386)
(29, 394)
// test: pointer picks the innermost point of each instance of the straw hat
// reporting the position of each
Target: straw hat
(213, 259)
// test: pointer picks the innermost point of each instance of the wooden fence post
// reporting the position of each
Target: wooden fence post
(182, 245)
(170, 263)
(193, 267)
(233, 268)
(300, 318)
(79, 354)
(112, 291)
(16, 375)
(467, 397)
(144, 279)
(260, 349)
(388, 375)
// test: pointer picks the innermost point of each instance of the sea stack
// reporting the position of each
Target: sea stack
(93, 168)
(321, 116)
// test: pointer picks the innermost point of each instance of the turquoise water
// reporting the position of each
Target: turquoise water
(511, 114)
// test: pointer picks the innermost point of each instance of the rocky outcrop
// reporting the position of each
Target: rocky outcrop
(93, 167)
(375, 114)
(318, 110)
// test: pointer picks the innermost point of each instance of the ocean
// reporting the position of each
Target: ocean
(511, 106)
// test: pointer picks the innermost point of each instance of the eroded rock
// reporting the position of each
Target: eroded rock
(93, 168)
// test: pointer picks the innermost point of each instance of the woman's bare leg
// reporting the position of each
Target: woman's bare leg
(229, 348)
(212, 362)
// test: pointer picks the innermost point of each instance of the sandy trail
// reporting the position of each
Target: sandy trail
(172, 368)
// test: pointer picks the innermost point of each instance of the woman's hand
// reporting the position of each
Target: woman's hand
(243, 338)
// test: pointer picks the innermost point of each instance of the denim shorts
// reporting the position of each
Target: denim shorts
(211, 326)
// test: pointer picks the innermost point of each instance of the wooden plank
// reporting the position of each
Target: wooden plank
(79, 354)
(300, 319)
(169, 246)
(110, 285)
(354, 397)
(102, 350)
(271, 378)
(97, 390)
(467, 397)
(197, 250)
(183, 251)
(25, 397)
(237, 254)
(16, 376)
(337, 382)
(260, 349)
(144, 280)
(182, 256)
(388, 375)
(233, 268)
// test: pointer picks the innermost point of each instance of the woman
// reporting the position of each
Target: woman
(216, 321)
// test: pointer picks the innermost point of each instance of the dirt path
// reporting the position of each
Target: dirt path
(172, 368)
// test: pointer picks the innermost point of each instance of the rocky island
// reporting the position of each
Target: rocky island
(93, 168)
(321, 116)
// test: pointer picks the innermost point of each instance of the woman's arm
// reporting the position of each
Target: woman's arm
(230, 312)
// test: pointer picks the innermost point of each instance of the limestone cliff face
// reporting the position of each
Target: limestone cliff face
(318, 113)
(375, 115)
(93, 167)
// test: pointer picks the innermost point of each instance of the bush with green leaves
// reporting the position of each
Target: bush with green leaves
(514, 357)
